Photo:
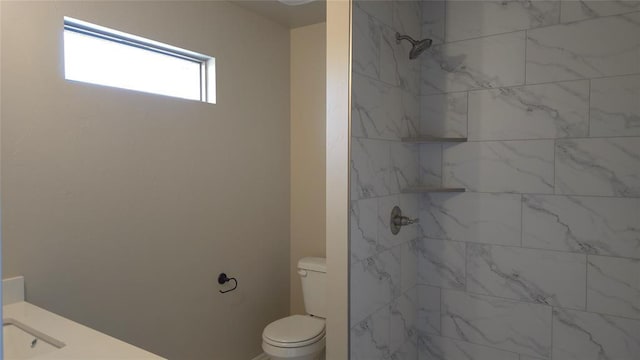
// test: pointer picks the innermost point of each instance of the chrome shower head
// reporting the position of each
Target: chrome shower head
(417, 46)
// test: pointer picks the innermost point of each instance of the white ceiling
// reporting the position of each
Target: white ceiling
(286, 15)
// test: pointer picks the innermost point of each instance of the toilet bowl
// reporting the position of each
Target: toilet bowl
(297, 337)
(301, 337)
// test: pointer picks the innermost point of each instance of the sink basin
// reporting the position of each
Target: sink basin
(24, 342)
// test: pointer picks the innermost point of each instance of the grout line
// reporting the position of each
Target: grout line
(526, 42)
(521, 220)
(527, 84)
(630, 198)
(586, 284)
(614, 137)
(515, 246)
(589, 111)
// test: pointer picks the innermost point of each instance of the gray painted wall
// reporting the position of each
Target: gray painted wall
(121, 208)
(539, 259)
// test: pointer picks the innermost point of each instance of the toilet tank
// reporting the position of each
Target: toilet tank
(313, 274)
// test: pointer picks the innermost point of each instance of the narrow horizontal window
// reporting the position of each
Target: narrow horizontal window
(97, 55)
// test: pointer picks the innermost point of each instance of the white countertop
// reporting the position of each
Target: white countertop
(80, 341)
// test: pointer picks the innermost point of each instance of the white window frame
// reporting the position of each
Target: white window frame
(207, 63)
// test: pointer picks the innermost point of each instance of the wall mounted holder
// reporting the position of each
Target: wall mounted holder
(223, 279)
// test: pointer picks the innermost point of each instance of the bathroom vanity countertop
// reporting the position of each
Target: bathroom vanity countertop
(80, 341)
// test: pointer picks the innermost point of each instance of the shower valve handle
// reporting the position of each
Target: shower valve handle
(404, 221)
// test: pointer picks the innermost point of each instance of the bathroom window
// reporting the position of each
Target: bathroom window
(97, 55)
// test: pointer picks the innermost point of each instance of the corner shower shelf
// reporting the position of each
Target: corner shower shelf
(428, 189)
(424, 139)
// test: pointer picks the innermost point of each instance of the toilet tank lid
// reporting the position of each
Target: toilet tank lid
(313, 264)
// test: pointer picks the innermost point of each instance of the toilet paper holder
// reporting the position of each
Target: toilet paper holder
(223, 279)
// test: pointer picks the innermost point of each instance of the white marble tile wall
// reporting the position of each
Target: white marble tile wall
(540, 259)
(385, 108)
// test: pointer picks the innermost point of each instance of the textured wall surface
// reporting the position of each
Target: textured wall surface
(121, 208)
(539, 259)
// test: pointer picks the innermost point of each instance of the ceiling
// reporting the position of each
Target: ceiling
(286, 15)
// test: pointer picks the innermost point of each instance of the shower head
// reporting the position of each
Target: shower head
(417, 46)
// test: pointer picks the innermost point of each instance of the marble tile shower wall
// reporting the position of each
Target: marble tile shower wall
(385, 108)
(540, 259)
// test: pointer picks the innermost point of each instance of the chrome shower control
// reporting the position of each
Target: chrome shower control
(397, 220)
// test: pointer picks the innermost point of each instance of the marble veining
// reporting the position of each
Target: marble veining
(370, 337)
(608, 167)
(403, 312)
(519, 327)
(471, 19)
(614, 286)
(573, 10)
(500, 166)
(375, 282)
(442, 263)
(370, 168)
(433, 20)
(580, 335)
(523, 274)
(431, 165)
(472, 217)
(364, 234)
(560, 52)
(591, 225)
(530, 112)
(428, 310)
(366, 44)
(474, 64)
(615, 106)
(444, 115)
(432, 347)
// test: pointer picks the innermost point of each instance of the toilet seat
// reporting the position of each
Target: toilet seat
(294, 331)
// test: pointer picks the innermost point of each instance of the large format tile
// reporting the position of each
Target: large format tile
(573, 10)
(364, 229)
(405, 162)
(441, 263)
(592, 225)
(530, 112)
(381, 111)
(500, 166)
(409, 265)
(403, 312)
(380, 9)
(586, 336)
(370, 337)
(374, 282)
(474, 64)
(395, 66)
(609, 167)
(428, 309)
(472, 217)
(431, 164)
(444, 115)
(504, 324)
(433, 19)
(615, 106)
(370, 168)
(613, 286)
(471, 19)
(366, 44)
(406, 18)
(605, 46)
(524, 274)
(431, 347)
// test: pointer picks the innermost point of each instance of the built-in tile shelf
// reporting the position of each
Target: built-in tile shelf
(426, 139)
(427, 189)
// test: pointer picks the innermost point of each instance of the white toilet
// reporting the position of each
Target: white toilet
(302, 337)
